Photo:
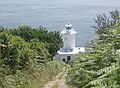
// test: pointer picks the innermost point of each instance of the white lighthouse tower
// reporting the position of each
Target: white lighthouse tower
(68, 36)
(69, 51)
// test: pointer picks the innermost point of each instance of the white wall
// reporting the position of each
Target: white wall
(69, 41)
(64, 56)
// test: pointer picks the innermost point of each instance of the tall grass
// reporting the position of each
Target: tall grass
(34, 77)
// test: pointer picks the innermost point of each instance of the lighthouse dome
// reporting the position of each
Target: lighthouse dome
(68, 26)
(68, 29)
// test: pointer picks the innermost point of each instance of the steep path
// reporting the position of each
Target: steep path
(58, 81)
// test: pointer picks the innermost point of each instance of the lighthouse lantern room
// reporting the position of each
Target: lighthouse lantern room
(69, 51)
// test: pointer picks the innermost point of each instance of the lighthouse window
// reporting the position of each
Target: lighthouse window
(68, 58)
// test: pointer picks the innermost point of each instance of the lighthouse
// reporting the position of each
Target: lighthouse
(69, 50)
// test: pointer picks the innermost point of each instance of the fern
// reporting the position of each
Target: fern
(106, 69)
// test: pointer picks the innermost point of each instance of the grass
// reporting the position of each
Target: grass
(55, 85)
(34, 77)
(70, 87)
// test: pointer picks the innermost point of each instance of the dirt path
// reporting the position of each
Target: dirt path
(58, 81)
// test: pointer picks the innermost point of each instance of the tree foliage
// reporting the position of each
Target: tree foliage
(104, 23)
(52, 40)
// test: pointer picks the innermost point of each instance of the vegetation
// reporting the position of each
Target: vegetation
(100, 66)
(26, 56)
(55, 85)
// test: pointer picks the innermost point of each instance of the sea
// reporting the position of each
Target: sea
(54, 14)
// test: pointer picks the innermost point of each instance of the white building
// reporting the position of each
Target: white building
(69, 51)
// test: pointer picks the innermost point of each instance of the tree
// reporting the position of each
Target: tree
(104, 23)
